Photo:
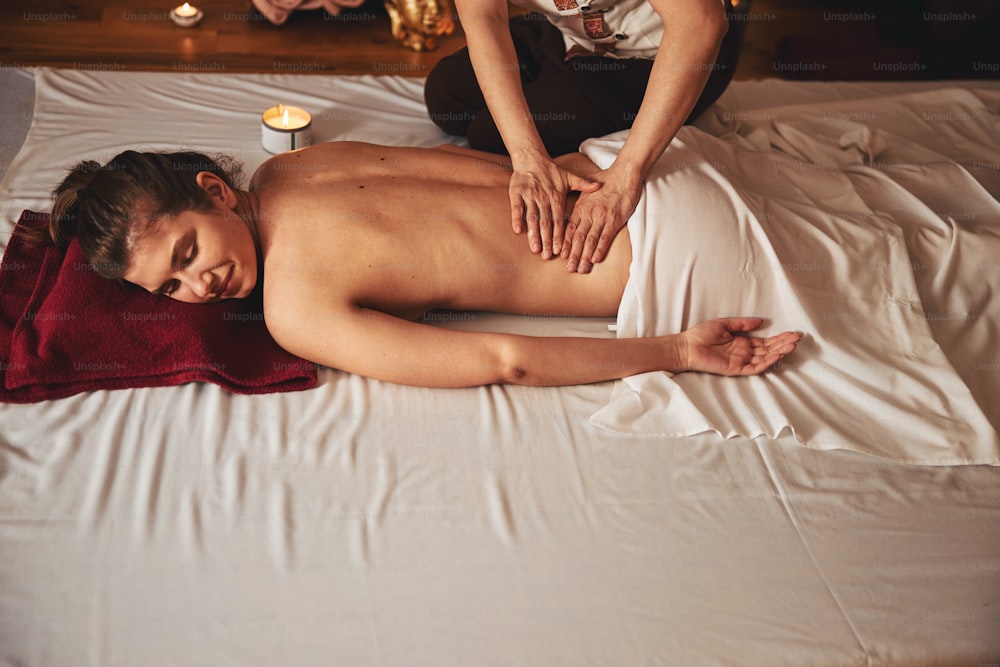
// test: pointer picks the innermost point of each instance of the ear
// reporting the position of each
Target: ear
(217, 188)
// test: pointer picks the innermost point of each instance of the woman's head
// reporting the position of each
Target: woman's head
(125, 211)
(110, 208)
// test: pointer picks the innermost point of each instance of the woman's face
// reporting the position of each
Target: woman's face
(198, 256)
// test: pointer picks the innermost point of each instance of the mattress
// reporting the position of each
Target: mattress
(364, 523)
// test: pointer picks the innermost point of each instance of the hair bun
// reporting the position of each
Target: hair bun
(65, 209)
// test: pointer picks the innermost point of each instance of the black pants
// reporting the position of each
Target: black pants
(569, 100)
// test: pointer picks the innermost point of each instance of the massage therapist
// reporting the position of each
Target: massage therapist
(538, 86)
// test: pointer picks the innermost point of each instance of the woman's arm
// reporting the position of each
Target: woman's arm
(538, 187)
(373, 344)
(491, 50)
(692, 34)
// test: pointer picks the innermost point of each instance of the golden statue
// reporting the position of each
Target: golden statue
(417, 24)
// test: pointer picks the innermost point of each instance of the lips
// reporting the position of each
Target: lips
(228, 290)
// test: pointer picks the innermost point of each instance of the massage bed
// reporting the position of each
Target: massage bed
(852, 519)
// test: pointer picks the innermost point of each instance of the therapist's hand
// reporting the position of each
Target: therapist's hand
(597, 218)
(538, 189)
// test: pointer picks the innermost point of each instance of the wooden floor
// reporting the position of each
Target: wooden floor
(120, 35)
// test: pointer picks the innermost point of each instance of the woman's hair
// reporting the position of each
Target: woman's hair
(111, 208)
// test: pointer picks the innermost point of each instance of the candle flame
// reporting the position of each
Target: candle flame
(284, 119)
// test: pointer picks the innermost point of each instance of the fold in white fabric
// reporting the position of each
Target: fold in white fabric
(872, 243)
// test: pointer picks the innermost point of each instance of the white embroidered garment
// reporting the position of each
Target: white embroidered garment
(629, 28)
(617, 28)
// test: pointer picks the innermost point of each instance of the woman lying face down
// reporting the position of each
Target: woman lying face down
(353, 243)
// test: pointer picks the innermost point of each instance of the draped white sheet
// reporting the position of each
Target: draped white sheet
(362, 523)
(873, 227)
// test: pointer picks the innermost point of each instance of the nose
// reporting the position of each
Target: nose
(199, 284)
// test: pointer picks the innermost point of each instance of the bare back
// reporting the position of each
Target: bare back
(407, 230)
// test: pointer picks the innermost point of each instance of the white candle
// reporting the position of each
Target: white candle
(285, 128)
(186, 15)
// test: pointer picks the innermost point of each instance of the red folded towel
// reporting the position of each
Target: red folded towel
(65, 330)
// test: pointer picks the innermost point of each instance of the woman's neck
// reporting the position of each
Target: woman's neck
(247, 209)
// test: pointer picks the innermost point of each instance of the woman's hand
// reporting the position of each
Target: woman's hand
(538, 190)
(598, 217)
(720, 347)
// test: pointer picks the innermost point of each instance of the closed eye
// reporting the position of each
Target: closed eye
(186, 262)
(190, 258)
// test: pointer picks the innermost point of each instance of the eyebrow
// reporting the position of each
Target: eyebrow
(173, 264)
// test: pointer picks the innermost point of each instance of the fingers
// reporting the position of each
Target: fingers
(558, 229)
(584, 241)
(545, 229)
(765, 352)
(784, 342)
(758, 365)
(589, 240)
(587, 258)
(552, 235)
(531, 221)
(567, 241)
(517, 212)
(784, 339)
(582, 184)
(603, 243)
(527, 216)
(592, 229)
(589, 246)
(747, 324)
(537, 203)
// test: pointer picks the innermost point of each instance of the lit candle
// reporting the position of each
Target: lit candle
(285, 128)
(186, 15)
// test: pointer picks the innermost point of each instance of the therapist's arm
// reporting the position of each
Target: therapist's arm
(538, 186)
(692, 34)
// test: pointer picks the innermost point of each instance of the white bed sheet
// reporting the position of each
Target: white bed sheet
(362, 523)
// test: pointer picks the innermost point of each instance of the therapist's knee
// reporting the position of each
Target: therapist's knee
(450, 95)
(483, 134)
